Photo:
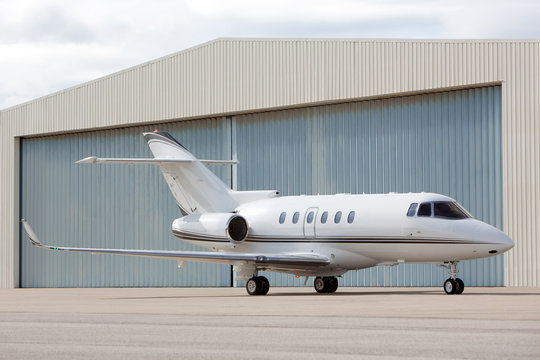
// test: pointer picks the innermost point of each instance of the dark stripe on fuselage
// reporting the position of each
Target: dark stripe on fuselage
(264, 237)
(366, 241)
(206, 236)
(198, 237)
(333, 240)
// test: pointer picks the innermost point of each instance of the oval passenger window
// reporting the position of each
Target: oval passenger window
(324, 217)
(310, 217)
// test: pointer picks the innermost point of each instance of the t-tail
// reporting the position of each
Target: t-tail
(195, 188)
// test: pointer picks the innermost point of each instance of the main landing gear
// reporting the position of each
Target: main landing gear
(453, 285)
(326, 284)
(258, 285)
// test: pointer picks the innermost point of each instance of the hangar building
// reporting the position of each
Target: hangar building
(302, 116)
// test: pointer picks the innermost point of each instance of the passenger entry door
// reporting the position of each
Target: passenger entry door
(309, 222)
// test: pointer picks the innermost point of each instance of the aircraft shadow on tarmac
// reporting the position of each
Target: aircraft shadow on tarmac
(286, 293)
(415, 292)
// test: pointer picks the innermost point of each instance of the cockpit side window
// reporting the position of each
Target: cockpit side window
(448, 210)
(412, 209)
(424, 209)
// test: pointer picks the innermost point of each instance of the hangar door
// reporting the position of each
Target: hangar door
(110, 206)
(447, 142)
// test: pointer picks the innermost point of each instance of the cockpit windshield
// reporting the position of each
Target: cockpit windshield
(439, 209)
(449, 210)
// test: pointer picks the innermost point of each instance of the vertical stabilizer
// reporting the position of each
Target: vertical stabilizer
(195, 188)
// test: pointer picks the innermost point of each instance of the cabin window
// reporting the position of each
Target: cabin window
(350, 218)
(295, 217)
(448, 210)
(424, 209)
(337, 218)
(282, 217)
(324, 217)
(412, 209)
(310, 217)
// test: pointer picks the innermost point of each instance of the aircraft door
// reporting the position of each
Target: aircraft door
(309, 222)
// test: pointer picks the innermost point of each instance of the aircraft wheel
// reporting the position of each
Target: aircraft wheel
(320, 285)
(450, 286)
(333, 284)
(460, 286)
(254, 286)
(265, 285)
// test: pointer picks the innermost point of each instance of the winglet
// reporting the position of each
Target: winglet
(31, 235)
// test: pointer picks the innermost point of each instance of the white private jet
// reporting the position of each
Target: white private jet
(311, 236)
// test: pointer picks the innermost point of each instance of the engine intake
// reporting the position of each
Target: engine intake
(237, 229)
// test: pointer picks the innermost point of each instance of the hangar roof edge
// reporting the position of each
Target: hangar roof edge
(255, 39)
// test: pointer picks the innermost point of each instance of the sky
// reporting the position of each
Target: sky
(48, 46)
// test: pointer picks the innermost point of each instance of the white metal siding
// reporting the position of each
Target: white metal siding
(242, 75)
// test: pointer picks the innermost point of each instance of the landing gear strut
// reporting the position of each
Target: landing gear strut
(258, 285)
(326, 284)
(453, 285)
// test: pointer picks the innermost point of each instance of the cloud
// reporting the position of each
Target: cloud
(46, 24)
(47, 46)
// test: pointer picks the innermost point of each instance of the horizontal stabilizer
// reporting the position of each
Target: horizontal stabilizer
(211, 257)
(151, 161)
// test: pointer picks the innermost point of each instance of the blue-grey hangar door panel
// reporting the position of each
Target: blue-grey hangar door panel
(111, 206)
(448, 142)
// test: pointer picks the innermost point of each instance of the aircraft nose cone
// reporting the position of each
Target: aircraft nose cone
(503, 242)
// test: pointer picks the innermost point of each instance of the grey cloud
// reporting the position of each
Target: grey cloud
(53, 24)
(392, 26)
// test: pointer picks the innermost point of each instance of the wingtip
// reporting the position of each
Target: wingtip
(31, 235)
(87, 160)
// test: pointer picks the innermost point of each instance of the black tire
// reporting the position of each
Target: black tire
(460, 286)
(265, 285)
(254, 286)
(320, 284)
(450, 286)
(327, 283)
(333, 284)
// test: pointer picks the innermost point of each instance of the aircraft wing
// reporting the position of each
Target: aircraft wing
(202, 256)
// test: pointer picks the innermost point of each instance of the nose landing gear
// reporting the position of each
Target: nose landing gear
(453, 285)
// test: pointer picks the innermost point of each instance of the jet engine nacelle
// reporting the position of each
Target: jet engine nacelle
(218, 225)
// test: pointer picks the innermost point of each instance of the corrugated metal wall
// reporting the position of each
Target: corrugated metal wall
(448, 143)
(111, 206)
(230, 76)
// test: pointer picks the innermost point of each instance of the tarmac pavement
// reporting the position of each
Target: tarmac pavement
(226, 323)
